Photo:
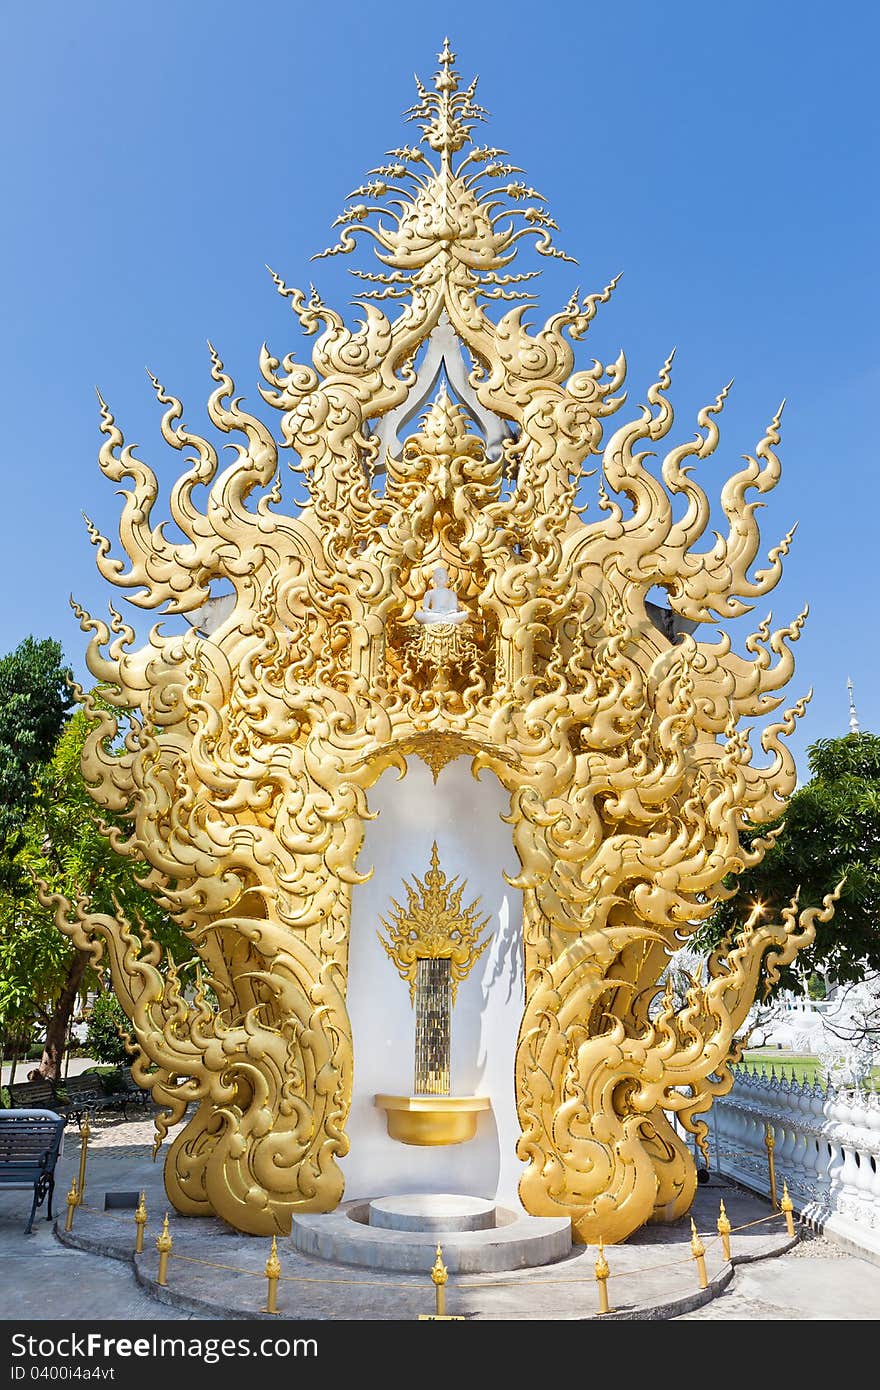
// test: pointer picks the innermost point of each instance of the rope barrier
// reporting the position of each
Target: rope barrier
(295, 1278)
(699, 1246)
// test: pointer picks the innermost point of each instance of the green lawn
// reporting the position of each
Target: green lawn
(798, 1064)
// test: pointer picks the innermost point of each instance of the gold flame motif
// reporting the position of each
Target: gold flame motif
(433, 925)
(243, 758)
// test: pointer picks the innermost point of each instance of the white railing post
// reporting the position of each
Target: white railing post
(827, 1148)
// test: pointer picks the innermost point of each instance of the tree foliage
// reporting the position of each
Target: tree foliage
(62, 844)
(103, 1039)
(34, 699)
(830, 831)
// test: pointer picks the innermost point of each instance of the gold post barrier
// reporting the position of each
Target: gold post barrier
(163, 1245)
(770, 1145)
(85, 1133)
(140, 1217)
(724, 1231)
(787, 1209)
(72, 1204)
(602, 1271)
(273, 1274)
(698, 1250)
(439, 1275)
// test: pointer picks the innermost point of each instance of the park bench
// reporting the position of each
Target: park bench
(84, 1095)
(81, 1095)
(30, 1142)
(132, 1093)
(33, 1095)
(88, 1092)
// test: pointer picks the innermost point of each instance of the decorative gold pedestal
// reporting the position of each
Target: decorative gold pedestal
(432, 1119)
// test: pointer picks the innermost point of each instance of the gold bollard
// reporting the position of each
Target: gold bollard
(72, 1204)
(787, 1208)
(602, 1271)
(698, 1250)
(439, 1274)
(770, 1145)
(163, 1245)
(273, 1273)
(140, 1217)
(724, 1231)
(85, 1133)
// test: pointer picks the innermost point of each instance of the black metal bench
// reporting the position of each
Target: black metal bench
(81, 1095)
(33, 1095)
(30, 1141)
(84, 1095)
(132, 1093)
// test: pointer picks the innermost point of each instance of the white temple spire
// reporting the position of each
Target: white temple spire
(853, 717)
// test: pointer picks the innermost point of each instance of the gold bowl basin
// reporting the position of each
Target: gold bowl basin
(432, 1119)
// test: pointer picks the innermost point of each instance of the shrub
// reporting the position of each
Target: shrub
(103, 1039)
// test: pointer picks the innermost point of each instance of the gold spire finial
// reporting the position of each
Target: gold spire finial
(163, 1239)
(448, 207)
(447, 80)
(724, 1230)
(697, 1246)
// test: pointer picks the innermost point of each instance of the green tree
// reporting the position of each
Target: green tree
(35, 697)
(103, 1038)
(831, 831)
(62, 844)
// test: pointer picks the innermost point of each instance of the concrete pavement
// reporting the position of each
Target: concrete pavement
(217, 1273)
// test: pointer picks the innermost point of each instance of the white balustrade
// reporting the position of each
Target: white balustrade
(827, 1149)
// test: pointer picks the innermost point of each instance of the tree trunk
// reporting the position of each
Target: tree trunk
(56, 1029)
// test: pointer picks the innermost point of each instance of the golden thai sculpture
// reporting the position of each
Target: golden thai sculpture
(244, 749)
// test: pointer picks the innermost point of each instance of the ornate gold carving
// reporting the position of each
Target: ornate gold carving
(243, 758)
(434, 925)
(436, 753)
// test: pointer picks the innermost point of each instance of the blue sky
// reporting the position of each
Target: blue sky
(724, 157)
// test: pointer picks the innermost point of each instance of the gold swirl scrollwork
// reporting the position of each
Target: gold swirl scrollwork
(242, 750)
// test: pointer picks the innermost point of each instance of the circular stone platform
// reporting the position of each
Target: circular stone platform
(440, 1211)
(513, 1241)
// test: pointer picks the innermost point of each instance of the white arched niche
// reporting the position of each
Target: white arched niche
(464, 816)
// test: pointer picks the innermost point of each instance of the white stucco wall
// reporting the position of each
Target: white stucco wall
(463, 816)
